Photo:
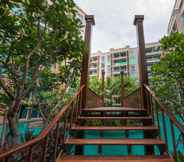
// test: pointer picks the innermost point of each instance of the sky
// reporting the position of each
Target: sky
(114, 21)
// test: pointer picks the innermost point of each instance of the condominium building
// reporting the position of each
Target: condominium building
(100, 62)
(81, 16)
(133, 63)
(153, 54)
(176, 23)
(119, 60)
(125, 59)
(94, 64)
(114, 62)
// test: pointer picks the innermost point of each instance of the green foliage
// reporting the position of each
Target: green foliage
(112, 86)
(95, 84)
(168, 75)
(35, 35)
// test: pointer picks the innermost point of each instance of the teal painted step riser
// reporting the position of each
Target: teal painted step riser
(109, 150)
(93, 149)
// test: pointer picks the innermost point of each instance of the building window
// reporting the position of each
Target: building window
(23, 113)
(120, 61)
(182, 18)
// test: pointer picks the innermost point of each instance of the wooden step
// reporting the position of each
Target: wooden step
(115, 118)
(113, 109)
(101, 141)
(114, 128)
(79, 158)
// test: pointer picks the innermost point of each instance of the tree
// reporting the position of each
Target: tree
(35, 35)
(112, 86)
(95, 84)
(168, 75)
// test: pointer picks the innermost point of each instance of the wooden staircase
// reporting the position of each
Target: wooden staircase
(109, 132)
(132, 119)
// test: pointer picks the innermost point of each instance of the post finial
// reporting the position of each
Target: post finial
(90, 19)
(138, 18)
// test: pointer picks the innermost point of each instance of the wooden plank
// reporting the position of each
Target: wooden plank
(78, 141)
(111, 128)
(69, 158)
(115, 118)
(114, 109)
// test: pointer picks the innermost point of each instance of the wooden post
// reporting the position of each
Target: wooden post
(85, 62)
(103, 87)
(143, 75)
(122, 89)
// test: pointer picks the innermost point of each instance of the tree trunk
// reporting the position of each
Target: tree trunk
(12, 117)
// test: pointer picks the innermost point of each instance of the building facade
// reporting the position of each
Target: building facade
(153, 54)
(100, 62)
(94, 64)
(176, 23)
(114, 62)
(81, 16)
(125, 59)
(120, 61)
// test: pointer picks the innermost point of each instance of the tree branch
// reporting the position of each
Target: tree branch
(5, 88)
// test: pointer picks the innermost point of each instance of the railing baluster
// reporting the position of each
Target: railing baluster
(5, 159)
(30, 154)
(77, 108)
(72, 114)
(173, 139)
(49, 136)
(45, 147)
(164, 127)
(80, 104)
(157, 114)
(56, 141)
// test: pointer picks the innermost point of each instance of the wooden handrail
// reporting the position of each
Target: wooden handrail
(46, 131)
(165, 110)
(131, 93)
(99, 96)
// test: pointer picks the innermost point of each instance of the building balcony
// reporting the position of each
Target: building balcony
(153, 60)
(120, 57)
(153, 53)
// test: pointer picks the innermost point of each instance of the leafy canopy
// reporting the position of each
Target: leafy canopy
(168, 75)
(34, 36)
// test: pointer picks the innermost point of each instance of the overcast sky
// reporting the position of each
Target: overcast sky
(114, 21)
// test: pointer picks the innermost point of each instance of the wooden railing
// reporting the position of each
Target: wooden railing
(50, 142)
(171, 131)
(93, 99)
(133, 99)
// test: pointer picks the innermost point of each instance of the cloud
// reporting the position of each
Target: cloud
(114, 21)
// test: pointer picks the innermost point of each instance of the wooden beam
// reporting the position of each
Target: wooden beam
(103, 86)
(122, 89)
(85, 62)
(143, 75)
